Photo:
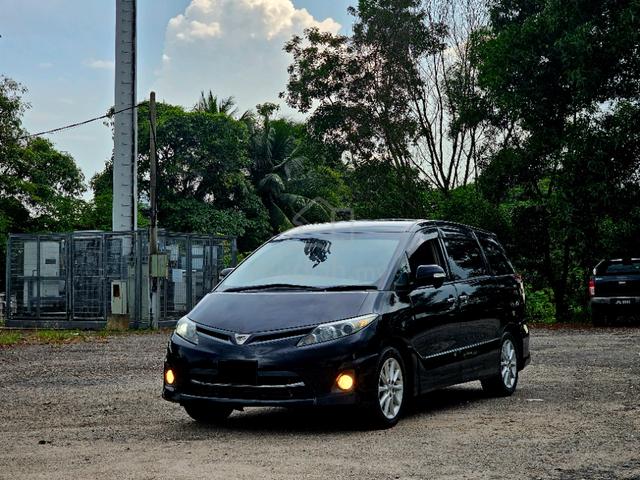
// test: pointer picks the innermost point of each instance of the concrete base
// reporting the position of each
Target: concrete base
(118, 322)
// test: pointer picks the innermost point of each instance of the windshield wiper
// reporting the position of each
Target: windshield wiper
(347, 288)
(271, 286)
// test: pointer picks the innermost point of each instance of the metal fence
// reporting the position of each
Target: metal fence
(72, 280)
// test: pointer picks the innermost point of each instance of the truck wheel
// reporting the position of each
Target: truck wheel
(505, 380)
(207, 413)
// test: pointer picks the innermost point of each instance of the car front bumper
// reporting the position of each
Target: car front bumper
(286, 375)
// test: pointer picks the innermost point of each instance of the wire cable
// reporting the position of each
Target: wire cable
(73, 125)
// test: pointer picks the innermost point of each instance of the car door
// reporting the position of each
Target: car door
(509, 292)
(432, 329)
(479, 324)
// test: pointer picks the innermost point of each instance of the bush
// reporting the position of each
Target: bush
(540, 306)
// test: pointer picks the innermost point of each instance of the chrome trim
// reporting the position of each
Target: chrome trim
(460, 349)
(212, 337)
(257, 340)
(233, 385)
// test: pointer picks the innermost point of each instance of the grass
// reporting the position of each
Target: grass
(9, 338)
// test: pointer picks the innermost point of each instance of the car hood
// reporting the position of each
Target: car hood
(253, 312)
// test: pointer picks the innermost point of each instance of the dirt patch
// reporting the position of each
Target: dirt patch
(93, 410)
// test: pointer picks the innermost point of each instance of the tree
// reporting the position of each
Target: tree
(227, 106)
(275, 159)
(568, 72)
(40, 187)
(202, 182)
(402, 89)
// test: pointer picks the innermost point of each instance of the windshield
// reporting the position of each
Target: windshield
(322, 261)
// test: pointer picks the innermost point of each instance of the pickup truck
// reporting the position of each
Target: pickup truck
(614, 289)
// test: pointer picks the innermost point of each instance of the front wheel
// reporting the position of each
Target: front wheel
(207, 413)
(505, 380)
(387, 406)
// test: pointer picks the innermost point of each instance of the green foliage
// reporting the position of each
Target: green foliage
(467, 205)
(540, 306)
(380, 192)
(568, 74)
(40, 187)
(363, 87)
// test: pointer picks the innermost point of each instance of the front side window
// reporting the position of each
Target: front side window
(428, 253)
(318, 261)
(465, 257)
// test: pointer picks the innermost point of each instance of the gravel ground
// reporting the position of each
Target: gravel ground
(93, 410)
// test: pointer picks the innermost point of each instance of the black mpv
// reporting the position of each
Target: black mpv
(365, 312)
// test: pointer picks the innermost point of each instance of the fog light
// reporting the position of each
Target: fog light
(345, 381)
(169, 377)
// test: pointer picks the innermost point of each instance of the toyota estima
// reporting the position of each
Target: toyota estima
(367, 313)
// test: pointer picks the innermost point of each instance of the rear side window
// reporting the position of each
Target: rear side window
(498, 261)
(465, 257)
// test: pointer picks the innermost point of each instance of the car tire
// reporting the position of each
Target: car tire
(505, 380)
(389, 397)
(207, 413)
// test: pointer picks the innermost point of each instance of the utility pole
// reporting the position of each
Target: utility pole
(125, 169)
(153, 230)
(125, 188)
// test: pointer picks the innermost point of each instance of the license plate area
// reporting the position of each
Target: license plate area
(238, 372)
(626, 301)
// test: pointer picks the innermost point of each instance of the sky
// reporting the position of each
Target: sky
(62, 51)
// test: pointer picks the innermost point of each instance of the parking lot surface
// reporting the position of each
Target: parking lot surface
(93, 410)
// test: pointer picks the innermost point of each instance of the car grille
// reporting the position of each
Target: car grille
(255, 338)
(251, 392)
(265, 385)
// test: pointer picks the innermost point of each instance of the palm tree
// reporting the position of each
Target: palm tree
(275, 159)
(227, 106)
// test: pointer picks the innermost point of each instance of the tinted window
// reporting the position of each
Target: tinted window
(465, 257)
(427, 254)
(319, 261)
(620, 268)
(498, 261)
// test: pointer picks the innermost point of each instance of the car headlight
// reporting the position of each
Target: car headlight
(186, 329)
(334, 330)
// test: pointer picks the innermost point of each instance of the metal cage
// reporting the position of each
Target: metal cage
(70, 280)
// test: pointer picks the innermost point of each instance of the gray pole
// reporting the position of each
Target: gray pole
(153, 230)
(125, 188)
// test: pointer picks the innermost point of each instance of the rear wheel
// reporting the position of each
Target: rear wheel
(504, 382)
(207, 413)
(387, 406)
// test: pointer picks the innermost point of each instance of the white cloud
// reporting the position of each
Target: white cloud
(232, 47)
(101, 64)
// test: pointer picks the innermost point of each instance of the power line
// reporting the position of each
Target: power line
(73, 125)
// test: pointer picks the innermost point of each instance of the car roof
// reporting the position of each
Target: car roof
(393, 225)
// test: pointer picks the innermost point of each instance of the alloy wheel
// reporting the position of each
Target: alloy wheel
(508, 364)
(390, 388)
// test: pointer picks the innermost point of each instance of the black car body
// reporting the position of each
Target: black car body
(614, 289)
(439, 298)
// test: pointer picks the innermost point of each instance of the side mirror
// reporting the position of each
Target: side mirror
(224, 273)
(430, 275)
